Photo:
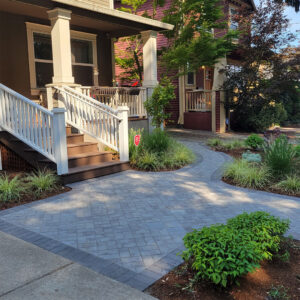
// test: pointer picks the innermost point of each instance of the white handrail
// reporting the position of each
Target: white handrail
(34, 125)
(91, 117)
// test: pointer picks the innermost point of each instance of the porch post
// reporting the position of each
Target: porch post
(217, 109)
(61, 46)
(123, 133)
(150, 64)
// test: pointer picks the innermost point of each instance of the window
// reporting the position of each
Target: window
(190, 80)
(83, 50)
(233, 23)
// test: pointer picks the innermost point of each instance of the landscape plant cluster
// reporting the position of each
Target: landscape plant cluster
(222, 253)
(12, 189)
(275, 167)
(157, 151)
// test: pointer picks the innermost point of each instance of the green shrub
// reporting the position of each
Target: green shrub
(156, 105)
(148, 161)
(41, 181)
(265, 230)
(291, 184)
(247, 175)
(10, 189)
(279, 155)
(220, 254)
(278, 293)
(223, 253)
(254, 141)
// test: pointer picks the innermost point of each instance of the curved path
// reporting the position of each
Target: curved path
(129, 226)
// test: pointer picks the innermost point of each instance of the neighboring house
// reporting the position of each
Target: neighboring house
(55, 56)
(198, 103)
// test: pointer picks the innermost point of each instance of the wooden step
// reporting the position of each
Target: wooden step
(80, 148)
(89, 158)
(68, 130)
(88, 172)
(75, 138)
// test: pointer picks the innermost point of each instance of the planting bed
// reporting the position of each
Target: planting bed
(176, 285)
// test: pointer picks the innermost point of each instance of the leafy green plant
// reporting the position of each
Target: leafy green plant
(264, 229)
(220, 254)
(254, 141)
(158, 102)
(279, 293)
(279, 155)
(10, 189)
(148, 161)
(246, 174)
(158, 141)
(291, 184)
(41, 181)
(297, 150)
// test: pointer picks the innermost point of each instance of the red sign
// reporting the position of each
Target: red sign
(137, 139)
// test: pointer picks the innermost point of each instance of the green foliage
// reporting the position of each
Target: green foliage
(246, 174)
(297, 151)
(225, 145)
(41, 181)
(291, 184)
(192, 43)
(220, 254)
(10, 189)
(158, 102)
(279, 293)
(254, 141)
(279, 155)
(251, 157)
(264, 229)
(223, 253)
(157, 151)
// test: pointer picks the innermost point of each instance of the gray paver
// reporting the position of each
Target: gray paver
(137, 219)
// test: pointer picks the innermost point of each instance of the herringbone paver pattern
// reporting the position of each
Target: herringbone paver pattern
(134, 219)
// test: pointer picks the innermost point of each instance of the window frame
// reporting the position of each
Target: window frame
(231, 7)
(32, 28)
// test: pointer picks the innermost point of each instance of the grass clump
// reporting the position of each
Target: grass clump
(246, 174)
(41, 181)
(279, 156)
(157, 151)
(221, 145)
(10, 189)
(291, 184)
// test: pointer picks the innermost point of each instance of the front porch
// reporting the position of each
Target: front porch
(57, 68)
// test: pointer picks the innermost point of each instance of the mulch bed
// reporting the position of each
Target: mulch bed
(27, 198)
(254, 286)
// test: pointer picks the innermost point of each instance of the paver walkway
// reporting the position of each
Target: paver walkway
(130, 225)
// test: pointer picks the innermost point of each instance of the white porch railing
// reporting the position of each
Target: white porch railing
(107, 125)
(39, 128)
(133, 98)
(198, 100)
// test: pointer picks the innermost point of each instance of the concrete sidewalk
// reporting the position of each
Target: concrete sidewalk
(29, 272)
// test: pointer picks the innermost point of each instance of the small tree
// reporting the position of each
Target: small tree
(256, 89)
(158, 102)
(192, 42)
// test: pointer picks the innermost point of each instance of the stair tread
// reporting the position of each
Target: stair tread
(88, 154)
(93, 167)
(75, 134)
(81, 144)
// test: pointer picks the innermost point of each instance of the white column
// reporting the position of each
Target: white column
(60, 140)
(123, 133)
(61, 46)
(150, 65)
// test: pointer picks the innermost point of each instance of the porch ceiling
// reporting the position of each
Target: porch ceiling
(113, 22)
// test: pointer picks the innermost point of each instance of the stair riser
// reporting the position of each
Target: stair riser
(94, 173)
(82, 149)
(88, 161)
(68, 130)
(74, 139)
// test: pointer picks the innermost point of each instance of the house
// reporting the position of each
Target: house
(56, 56)
(198, 103)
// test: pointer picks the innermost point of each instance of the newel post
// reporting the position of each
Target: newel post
(60, 140)
(123, 133)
